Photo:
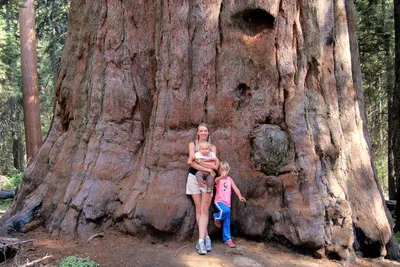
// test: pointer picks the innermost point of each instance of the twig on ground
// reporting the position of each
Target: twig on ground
(8, 239)
(14, 243)
(35, 261)
(176, 253)
(94, 236)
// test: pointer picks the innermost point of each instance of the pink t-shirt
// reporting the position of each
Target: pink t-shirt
(223, 191)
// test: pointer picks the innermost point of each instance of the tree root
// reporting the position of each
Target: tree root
(94, 236)
(176, 253)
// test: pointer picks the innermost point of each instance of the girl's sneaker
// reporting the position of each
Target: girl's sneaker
(230, 243)
(217, 223)
(201, 247)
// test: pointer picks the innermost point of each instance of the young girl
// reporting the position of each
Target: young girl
(222, 201)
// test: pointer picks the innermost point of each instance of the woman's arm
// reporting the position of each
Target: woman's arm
(199, 167)
(191, 153)
(237, 192)
(210, 164)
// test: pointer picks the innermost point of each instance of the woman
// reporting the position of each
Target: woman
(202, 199)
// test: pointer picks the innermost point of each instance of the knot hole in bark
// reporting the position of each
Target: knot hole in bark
(242, 92)
(269, 148)
(252, 21)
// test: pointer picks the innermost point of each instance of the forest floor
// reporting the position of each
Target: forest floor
(115, 249)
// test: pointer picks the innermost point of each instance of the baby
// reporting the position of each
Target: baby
(205, 154)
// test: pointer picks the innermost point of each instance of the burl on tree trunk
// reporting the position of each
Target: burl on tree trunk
(275, 83)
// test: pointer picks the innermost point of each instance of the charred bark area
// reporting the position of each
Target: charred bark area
(274, 81)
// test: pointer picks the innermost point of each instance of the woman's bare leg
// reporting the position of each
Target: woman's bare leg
(203, 221)
(197, 204)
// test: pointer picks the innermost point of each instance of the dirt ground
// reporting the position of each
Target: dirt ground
(116, 249)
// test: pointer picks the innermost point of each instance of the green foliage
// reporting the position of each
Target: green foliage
(5, 204)
(375, 30)
(397, 235)
(73, 261)
(16, 178)
(51, 29)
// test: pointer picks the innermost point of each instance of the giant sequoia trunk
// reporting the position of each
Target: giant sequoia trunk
(274, 81)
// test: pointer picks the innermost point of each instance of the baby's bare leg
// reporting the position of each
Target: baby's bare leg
(210, 183)
(199, 176)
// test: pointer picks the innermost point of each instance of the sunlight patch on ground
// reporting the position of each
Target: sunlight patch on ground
(246, 262)
(195, 260)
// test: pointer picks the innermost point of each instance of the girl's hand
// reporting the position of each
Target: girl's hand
(224, 174)
(242, 199)
(202, 185)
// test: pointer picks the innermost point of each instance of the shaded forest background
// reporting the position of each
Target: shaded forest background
(375, 30)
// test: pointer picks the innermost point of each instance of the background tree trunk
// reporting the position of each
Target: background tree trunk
(389, 93)
(396, 109)
(275, 81)
(33, 131)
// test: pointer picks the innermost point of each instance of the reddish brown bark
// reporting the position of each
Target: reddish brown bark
(395, 112)
(33, 132)
(274, 80)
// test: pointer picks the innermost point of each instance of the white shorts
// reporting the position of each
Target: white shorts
(192, 186)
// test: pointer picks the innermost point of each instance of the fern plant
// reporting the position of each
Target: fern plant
(73, 261)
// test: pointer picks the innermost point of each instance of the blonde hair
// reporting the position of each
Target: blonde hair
(224, 166)
(204, 144)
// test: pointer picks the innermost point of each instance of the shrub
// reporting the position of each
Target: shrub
(397, 235)
(73, 261)
(16, 179)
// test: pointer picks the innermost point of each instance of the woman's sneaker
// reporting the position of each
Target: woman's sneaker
(201, 247)
(207, 242)
(230, 243)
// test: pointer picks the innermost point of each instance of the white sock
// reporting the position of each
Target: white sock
(201, 240)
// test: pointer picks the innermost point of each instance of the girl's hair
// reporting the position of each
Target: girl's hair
(223, 165)
(208, 129)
